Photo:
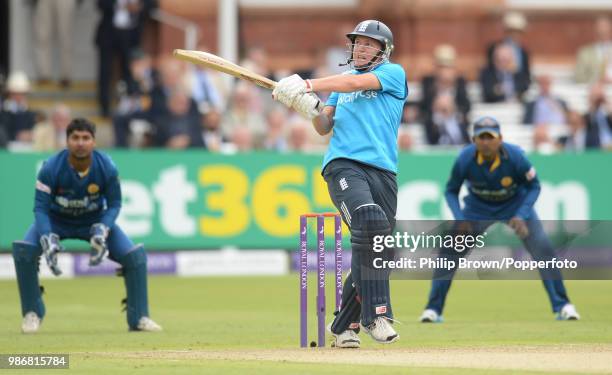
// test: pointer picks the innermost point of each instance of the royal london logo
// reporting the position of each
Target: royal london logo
(93, 188)
(506, 181)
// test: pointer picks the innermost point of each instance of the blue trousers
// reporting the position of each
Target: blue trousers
(537, 244)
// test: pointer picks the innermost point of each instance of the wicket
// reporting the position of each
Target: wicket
(320, 273)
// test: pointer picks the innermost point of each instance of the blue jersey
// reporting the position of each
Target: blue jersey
(63, 196)
(366, 122)
(498, 189)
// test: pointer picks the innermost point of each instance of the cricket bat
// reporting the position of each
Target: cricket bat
(222, 65)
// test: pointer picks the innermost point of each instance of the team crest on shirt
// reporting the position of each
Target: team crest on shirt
(93, 188)
(506, 181)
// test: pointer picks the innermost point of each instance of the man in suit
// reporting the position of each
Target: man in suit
(594, 61)
(181, 126)
(118, 32)
(445, 79)
(18, 119)
(575, 140)
(598, 120)
(503, 81)
(545, 109)
(514, 28)
(446, 125)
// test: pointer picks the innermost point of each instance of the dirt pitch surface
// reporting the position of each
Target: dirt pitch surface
(566, 358)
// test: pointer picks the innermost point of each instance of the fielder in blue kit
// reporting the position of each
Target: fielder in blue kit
(364, 112)
(502, 187)
(78, 196)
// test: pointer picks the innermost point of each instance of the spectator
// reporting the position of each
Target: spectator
(598, 120)
(319, 70)
(213, 138)
(242, 138)
(53, 17)
(222, 83)
(133, 112)
(181, 126)
(545, 109)
(514, 28)
(404, 140)
(118, 33)
(18, 118)
(171, 75)
(542, 141)
(51, 135)
(410, 113)
(338, 54)
(203, 91)
(146, 77)
(575, 141)
(446, 125)
(503, 82)
(274, 138)
(320, 65)
(3, 130)
(594, 61)
(240, 113)
(298, 137)
(257, 61)
(445, 79)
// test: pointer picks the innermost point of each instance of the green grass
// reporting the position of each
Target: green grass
(240, 313)
(258, 367)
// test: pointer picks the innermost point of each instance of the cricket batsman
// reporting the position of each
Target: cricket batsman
(364, 111)
(78, 196)
(502, 187)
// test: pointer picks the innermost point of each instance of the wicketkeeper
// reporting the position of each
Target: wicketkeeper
(78, 196)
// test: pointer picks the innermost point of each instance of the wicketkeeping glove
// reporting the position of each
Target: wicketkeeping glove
(99, 233)
(50, 244)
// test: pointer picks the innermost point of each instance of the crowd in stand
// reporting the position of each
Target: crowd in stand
(166, 103)
(444, 108)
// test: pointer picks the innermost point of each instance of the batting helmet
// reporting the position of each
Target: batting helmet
(377, 31)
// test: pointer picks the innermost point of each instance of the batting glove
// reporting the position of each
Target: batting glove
(307, 105)
(98, 232)
(50, 244)
(289, 88)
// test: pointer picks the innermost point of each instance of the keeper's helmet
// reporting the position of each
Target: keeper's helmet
(377, 31)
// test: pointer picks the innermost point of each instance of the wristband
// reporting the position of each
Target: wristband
(309, 86)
